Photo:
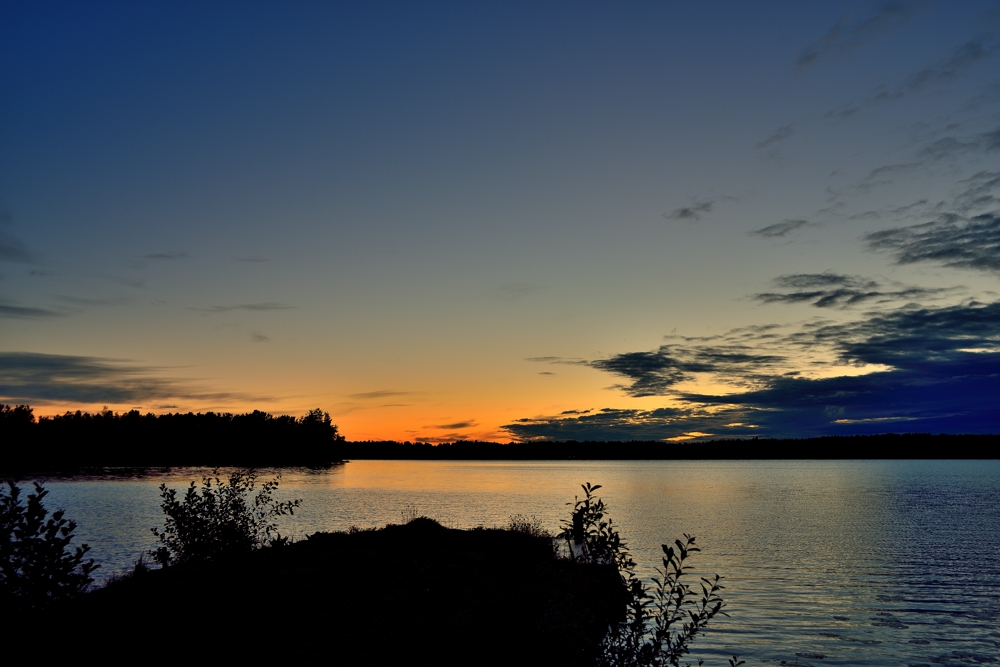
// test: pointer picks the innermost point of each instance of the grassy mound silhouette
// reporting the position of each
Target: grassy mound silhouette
(418, 593)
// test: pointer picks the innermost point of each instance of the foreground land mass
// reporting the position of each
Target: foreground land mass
(412, 594)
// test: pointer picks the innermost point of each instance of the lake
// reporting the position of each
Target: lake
(825, 562)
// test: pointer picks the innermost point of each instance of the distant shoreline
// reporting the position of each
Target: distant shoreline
(864, 447)
(912, 446)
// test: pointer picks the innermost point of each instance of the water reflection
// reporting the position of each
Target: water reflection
(873, 562)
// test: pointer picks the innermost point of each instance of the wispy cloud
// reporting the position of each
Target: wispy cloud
(382, 393)
(965, 233)
(455, 426)
(780, 229)
(259, 338)
(9, 310)
(28, 377)
(780, 134)
(832, 290)
(262, 306)
(255, 258)
(697, 209)
(167, 255)
(850, 33)
(940, 73)
(950, 241)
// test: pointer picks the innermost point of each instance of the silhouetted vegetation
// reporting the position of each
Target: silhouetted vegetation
(886, 446)
(223, 520)
(659, 624)
(37, 564)
(78, 441)
(417, 593)
(409, 594)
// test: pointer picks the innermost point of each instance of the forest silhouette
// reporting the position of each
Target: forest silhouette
(77, 441)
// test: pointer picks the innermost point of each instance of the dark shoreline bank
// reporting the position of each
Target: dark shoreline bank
(412, 594)
(885, 446)
(24, 457)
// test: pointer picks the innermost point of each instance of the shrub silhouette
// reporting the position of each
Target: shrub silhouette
(37, 566)
(659, 624)
(224, 519)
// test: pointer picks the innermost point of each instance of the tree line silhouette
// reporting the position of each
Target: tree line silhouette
(78, 440)
(884, 446)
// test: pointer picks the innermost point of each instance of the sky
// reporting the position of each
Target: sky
(506, 221)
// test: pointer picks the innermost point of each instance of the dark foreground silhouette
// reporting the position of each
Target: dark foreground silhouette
(412, 594)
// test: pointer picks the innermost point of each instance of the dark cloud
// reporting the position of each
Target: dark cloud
(655, 373)
(457, 425)
(955, 396)
(832, 290)
(779, 229)
(12, 311)
(778, 135)
(958, 231)
(266, 305)
(850, 33)
(383, 393)
(941, 375)
(605, 424)
(951, 241)
(910, 337)
(166, 255)
(27, 377)
(259, 338)
(693, 212)
(697, 208)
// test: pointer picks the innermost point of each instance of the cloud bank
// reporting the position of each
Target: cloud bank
(938, 370)
(41, 379)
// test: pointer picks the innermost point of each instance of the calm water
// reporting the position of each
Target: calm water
(861, 562)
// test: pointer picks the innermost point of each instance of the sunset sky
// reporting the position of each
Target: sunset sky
(506, 221)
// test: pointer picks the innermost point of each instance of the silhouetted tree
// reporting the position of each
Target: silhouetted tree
(224, 519)
(37, 565)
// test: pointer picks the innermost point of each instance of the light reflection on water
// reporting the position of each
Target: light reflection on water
(862, 562)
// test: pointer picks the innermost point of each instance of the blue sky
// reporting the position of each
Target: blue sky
(506, 221)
